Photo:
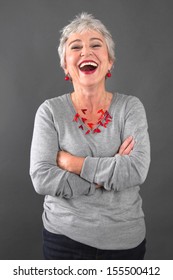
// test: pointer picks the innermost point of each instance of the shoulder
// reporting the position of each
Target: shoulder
(125, 98)
(55, 102)
(128, 102)
(128, 107)
(53, 105)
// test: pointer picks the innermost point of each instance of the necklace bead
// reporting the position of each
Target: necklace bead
(90, 122)
(103, 120)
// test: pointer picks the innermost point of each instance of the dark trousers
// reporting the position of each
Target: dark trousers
(60, 247)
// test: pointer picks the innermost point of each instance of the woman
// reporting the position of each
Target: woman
(90, 153)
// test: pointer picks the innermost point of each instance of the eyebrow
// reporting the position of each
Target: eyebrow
(96, 39)
(79, 40)
(74, 41)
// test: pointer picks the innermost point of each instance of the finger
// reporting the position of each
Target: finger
(129, 148)
(98, 186)
(125, 144)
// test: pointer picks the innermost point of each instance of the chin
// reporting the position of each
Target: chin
(91, 81)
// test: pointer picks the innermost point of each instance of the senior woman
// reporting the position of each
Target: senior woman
(90, 153)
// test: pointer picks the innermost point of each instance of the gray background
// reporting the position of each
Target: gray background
(30, 73)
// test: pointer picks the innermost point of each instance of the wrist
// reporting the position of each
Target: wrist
(76, 164)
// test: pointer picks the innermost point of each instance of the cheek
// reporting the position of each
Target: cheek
(70, 59)
(71, 64)
(103, 57)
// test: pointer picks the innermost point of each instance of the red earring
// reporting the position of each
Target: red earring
(108, 75)
(67, 78)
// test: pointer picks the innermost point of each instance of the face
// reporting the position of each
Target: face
(86, 58)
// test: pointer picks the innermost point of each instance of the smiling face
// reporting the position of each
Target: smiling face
(86, 58)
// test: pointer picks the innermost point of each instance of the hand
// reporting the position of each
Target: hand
(69, 162)
(127, 146)
(98, 186)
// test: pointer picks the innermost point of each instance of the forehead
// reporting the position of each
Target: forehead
(86, 36)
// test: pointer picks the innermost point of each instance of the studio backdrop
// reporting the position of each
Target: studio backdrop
(30, 73)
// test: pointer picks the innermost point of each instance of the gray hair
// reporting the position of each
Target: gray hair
(81, 23)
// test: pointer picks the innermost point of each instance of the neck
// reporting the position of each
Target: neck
(90, 98)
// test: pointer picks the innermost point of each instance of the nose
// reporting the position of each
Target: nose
(86, 51)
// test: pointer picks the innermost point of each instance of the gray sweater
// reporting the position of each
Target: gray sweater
(107, 218)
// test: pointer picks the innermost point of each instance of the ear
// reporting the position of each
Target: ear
(65, 70)
(111, 63)
(65, 66)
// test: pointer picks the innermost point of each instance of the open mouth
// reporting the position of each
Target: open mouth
(88, 67)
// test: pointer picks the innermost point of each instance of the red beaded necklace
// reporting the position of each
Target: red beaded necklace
(103, 120)
(92, 127)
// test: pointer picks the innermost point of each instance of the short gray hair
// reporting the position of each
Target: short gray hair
(83, 22)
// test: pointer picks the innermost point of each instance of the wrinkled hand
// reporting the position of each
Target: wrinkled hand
(127, 146)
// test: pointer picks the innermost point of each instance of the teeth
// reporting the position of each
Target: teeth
(88, 63)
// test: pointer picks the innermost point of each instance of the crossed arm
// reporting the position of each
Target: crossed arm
(73, 164)
(64, 175)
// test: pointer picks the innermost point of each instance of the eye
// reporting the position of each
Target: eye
(96, 46)
(76, 47)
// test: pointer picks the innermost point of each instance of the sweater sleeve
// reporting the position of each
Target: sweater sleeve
(46, 176)
(120, 172)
